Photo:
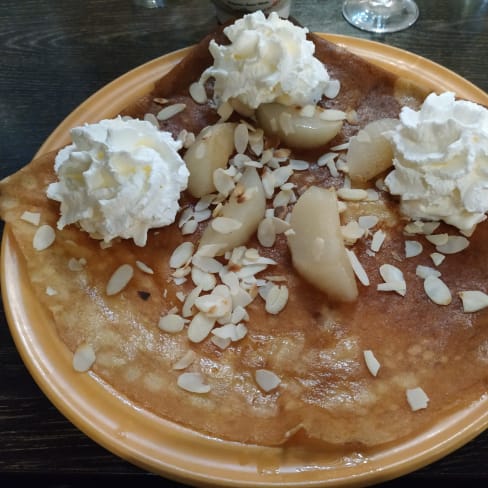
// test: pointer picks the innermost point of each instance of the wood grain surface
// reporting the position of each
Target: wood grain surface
(53, 55)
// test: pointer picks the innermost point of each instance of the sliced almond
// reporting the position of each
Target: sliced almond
(430, 227)
(181, 255)
(202, 215)
(331, 114)
(256, 141)
(239, 314)
(50, 291)
(189, 302)
(234, 332)
(352, 194)
(437, 239)
(373, 195)
(299, 164)
(377, 240)
(209, 250)
(179, 295)
(423, 271)
(187, 138)
(453, 245)
(473, 300)
(198, 93)
(152, 119)
(186, 360)
(413, 248)
(368, 221)
(200, 327)
(327, 158)
(417, 398)
(283, 198)
(276, 156)
(225, 110)
(193, 383)
(267, 380)
(332, 89)
(144, 267)
(437, 258)
(276, 299)
(230, 279)
(281, 175)
(189, 227)
(119, 280)
(437, 290)
(420, 227)
(185, 216)
(179, 281)
(268, 182)
(357, 267)
(242, 298)
(215, 304)
(224, 182)
(160, 100)
(394, 276)
(351, 232)
(181, 272)
(83, 358)
(207, 263)
(390, 273)
(280, 225)
(250, 270)
(400, 286)
(206, 281)
(33, 218)
(372, 363)
(241, 138)
(44, 237)
(266, 233)
(170, 111)
(220, 343)
(172, 323)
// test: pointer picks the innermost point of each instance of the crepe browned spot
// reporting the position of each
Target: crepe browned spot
(314, 346)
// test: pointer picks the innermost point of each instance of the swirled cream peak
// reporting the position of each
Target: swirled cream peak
(119, 178)
(441, 161)
(269, 59)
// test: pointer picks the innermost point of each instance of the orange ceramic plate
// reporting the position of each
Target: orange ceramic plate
(168, 449)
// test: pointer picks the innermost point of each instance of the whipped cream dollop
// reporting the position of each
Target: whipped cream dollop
(269, 59)
(119, 178)
(441, 162)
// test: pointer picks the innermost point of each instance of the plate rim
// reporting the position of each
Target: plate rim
(139, 81)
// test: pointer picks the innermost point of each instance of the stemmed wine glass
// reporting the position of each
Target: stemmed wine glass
(380, 16)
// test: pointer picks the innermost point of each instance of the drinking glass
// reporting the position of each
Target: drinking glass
(149, 3)
(380, 16)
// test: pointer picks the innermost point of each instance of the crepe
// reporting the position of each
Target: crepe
(326, 393)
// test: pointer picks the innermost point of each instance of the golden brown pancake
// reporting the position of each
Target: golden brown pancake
(313, 345)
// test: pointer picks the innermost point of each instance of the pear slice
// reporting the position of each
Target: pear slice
(317, 247)
(245, 207)
(298, 127)
(211, 150)
(370, 152)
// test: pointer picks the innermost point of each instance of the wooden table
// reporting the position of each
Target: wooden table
(53, 55)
